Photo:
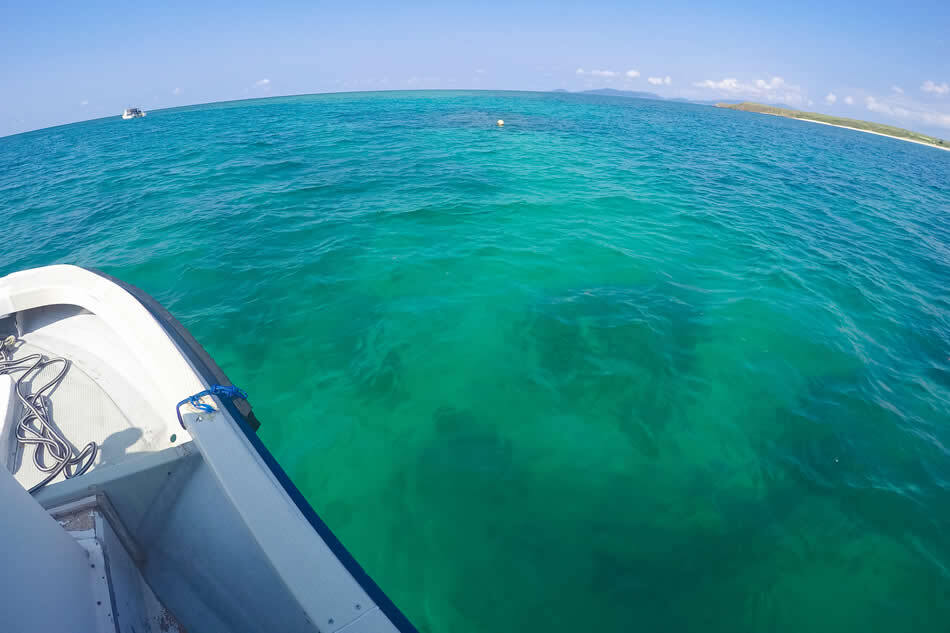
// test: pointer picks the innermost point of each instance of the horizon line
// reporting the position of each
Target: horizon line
(343, 92)
(560, 91)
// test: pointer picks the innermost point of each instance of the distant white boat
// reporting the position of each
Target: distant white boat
(133, 113)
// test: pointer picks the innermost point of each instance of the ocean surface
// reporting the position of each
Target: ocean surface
(620, 365)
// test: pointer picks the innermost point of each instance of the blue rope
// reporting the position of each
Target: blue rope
(222, 391)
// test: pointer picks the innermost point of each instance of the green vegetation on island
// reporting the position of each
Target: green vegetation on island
(864, 126)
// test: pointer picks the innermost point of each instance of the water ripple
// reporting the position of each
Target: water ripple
(619, 364)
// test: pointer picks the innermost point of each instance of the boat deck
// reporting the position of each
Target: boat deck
(83, 405)
(205, 515)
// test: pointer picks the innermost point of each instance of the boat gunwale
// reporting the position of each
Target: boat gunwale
(241, 412)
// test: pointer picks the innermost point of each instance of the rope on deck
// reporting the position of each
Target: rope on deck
(52, 454)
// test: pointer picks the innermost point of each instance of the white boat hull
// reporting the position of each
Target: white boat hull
(220, 534)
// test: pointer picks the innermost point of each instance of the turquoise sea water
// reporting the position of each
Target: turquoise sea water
(620, 365)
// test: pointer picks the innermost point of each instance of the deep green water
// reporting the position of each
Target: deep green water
(622, 365)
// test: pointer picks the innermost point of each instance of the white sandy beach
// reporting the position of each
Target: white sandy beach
(856, 129)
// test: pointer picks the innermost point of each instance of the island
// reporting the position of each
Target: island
(851, 124)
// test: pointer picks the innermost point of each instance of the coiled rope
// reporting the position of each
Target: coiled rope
(35, 427)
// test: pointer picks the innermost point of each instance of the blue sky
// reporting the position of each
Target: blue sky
(70, 61)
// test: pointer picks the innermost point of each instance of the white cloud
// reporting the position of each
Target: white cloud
(177, 91)
(633, 74)
(911, 113)
(480, 71)
(877, 106)
(938, 89)
(849, 100)
(897, 89)
(774, 89)
(597, 73)
(84, 102)
(260, 83)
(660, 81)
(726, 85)
(810, 102)
(831, 97)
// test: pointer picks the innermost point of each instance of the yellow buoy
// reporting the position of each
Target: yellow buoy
(500, 122)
